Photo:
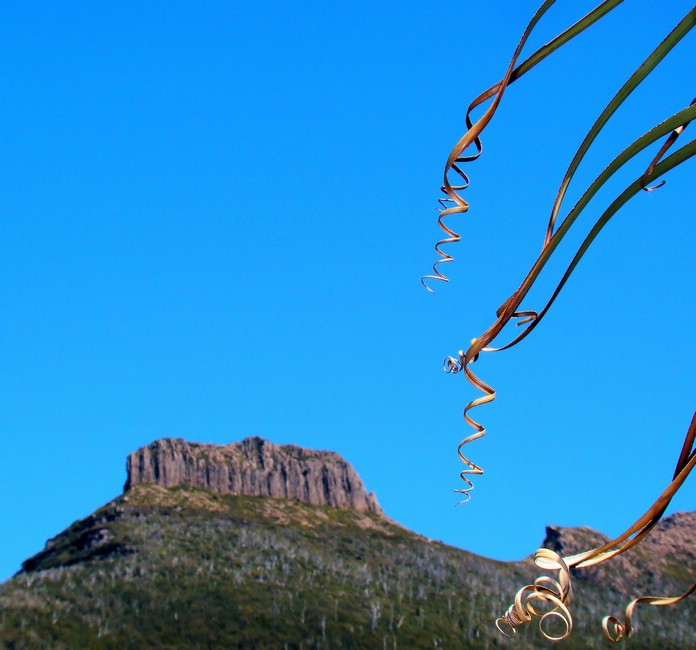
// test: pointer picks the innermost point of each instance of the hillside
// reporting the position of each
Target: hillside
(186, 567)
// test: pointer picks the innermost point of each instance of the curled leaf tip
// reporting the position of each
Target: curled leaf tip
(615, 630)
(653, 187)
(454, 365)
(532, 600)
(663, 149)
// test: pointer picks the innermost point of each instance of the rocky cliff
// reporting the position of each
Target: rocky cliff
(252, 467)
(187, 568)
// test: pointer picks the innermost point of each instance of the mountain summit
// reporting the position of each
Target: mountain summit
(252, 467)
(260, 546)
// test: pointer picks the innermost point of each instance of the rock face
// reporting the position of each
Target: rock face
(673, 536)
(252, 467)
(670, 543)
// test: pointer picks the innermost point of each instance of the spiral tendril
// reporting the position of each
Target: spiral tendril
(453, 203)
(557, 593)
(455, 365)
(480, 430)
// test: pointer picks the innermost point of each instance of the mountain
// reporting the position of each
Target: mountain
(254, 467)
(182, 561)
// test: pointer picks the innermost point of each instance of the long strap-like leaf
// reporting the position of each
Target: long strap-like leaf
(671, 124)
(683, 28)
(615, 630)
(453, 202)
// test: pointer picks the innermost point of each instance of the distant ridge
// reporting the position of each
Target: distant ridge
(252, 467)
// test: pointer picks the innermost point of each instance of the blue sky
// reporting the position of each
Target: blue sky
(214, 217)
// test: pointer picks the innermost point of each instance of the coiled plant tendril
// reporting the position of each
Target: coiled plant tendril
(548, 598)
(546, 591)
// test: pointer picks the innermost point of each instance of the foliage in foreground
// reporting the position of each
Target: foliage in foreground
(549, 597)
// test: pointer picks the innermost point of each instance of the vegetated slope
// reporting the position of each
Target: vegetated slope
(187, 568)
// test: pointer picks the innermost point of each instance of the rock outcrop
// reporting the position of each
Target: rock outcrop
(672, 536)
(670, 542)
(252, 467)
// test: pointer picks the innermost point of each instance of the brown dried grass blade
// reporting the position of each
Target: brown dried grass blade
(520, 612)
(632, 535)
(557, 593)
(615, 630)
(453, 202)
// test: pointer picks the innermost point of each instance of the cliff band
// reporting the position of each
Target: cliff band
(253, 467)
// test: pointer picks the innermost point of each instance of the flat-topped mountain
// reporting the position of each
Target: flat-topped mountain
(252, 467)
(255, 545)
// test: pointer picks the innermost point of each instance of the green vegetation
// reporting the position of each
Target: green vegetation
(186, 568)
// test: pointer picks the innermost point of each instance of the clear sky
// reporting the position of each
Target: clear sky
(214, 217)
